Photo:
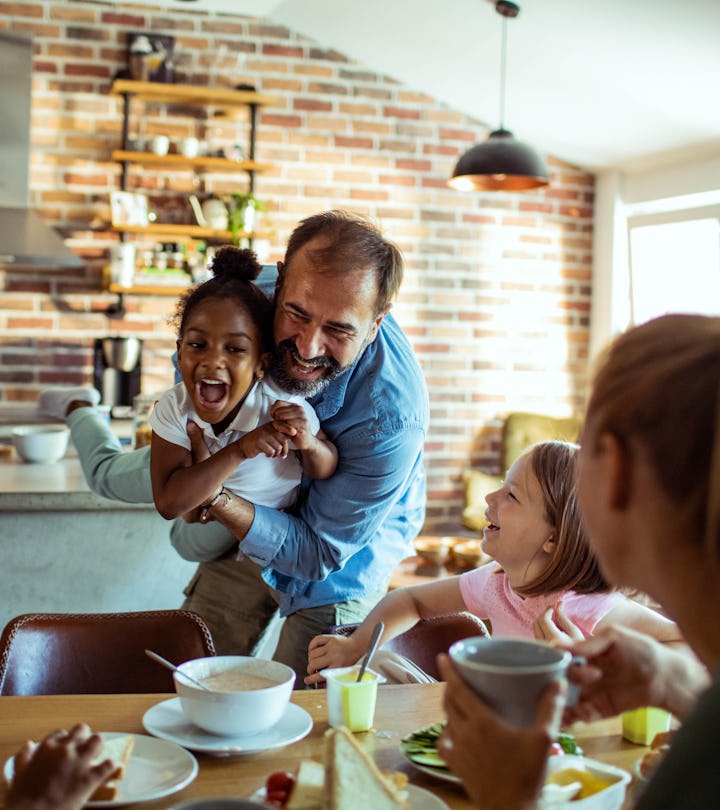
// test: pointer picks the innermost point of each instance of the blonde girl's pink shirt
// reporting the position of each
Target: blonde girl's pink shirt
(487, 593)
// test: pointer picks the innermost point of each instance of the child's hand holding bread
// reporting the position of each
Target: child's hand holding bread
(66, 770)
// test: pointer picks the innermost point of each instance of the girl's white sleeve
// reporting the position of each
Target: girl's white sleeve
(167, 419)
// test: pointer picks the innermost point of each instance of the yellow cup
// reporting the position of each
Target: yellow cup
(641, 725)
(351, 704)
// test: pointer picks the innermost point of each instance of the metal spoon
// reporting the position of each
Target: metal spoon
(173, 668)
(374, 639)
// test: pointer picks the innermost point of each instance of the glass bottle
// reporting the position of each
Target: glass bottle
(142, 432)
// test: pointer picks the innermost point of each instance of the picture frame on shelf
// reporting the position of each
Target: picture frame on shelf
(150, 57)
(128, 208)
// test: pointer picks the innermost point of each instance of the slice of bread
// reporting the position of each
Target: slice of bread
(352, 776)
(309, 788)
(118, 749)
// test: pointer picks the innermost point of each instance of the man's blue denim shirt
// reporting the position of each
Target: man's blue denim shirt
(365, 517)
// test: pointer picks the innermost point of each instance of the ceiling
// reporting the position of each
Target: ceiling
(603, 84)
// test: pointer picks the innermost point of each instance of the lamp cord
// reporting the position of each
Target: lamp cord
(503, 59)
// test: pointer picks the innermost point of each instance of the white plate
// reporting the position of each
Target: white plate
(167, 720)
(156, 768)
(438, 773)
(419, 798)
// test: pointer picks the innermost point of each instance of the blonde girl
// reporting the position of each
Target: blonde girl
(544, 575)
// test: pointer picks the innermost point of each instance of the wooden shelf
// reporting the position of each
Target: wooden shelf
(149, 289)
(218, 101)
(189, 94)
(188, 232)
(196, 164)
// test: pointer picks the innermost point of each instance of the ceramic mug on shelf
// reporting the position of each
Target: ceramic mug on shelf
(189, 147)
(160, 144)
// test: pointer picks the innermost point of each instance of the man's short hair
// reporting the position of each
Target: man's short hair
(352, 243)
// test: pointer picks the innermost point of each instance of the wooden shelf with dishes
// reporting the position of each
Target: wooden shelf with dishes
(181, 233)
(149, 289)
(203, 163)
(198, 95)
(219, 102)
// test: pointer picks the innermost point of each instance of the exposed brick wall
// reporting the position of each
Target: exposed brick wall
(497, 292)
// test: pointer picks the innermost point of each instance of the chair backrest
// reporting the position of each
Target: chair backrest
(97, 653)
(428, 637)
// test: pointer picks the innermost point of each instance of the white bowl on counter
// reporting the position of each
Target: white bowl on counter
(41, 444)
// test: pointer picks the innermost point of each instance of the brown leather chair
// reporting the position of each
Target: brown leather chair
(97, 653)
(428, 637)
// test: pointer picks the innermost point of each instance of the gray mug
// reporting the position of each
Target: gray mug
(510, 674)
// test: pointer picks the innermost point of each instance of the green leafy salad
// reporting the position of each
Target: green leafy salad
(421, 746)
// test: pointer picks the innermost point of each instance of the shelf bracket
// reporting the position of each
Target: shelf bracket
(117, 310)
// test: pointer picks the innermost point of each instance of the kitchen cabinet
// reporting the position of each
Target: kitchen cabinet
(242, 105)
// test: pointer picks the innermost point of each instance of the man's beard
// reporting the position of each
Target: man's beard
(307, 388)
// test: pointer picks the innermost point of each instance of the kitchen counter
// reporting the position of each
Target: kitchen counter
(67, 550)
(60, 486)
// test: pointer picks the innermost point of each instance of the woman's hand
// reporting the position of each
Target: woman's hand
(501, 766)
(555, 627)
(330, 651)
(57, 774)
(626, 669)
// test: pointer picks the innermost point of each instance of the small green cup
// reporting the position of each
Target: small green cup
(351, 704)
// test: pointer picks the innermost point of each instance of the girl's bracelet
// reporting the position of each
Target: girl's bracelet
(223, 496)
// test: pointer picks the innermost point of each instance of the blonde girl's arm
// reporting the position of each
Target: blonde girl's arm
(399, 610)
(643, 619)
(180, 486)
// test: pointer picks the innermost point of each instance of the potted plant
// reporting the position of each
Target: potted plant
(243, 207)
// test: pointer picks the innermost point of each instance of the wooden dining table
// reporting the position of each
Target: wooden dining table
(400, 710)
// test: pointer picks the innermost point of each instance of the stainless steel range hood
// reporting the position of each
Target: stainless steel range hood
(25, 238)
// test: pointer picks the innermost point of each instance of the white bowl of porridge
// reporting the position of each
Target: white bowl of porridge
(246, 695)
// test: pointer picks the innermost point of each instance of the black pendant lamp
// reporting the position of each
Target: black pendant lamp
(500, 163)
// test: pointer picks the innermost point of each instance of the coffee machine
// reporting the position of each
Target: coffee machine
(117, 374)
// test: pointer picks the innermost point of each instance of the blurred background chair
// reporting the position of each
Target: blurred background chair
(427, 638)
(97, 653)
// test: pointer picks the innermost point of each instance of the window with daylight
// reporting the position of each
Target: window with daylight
(674, 263)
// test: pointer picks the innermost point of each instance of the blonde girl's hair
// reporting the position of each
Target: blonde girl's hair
(573, 564)
(657, 390)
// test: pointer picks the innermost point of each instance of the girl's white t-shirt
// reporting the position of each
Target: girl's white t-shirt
(487, 594)
(265, 481)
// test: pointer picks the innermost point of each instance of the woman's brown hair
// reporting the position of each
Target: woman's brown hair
(572, 565)
(657, 390)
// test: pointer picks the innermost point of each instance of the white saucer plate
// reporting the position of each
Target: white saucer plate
(156, 768)
(418, 798)
(167, 721)
(438, 773)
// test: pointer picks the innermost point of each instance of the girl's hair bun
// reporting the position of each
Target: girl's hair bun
(231, 262)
